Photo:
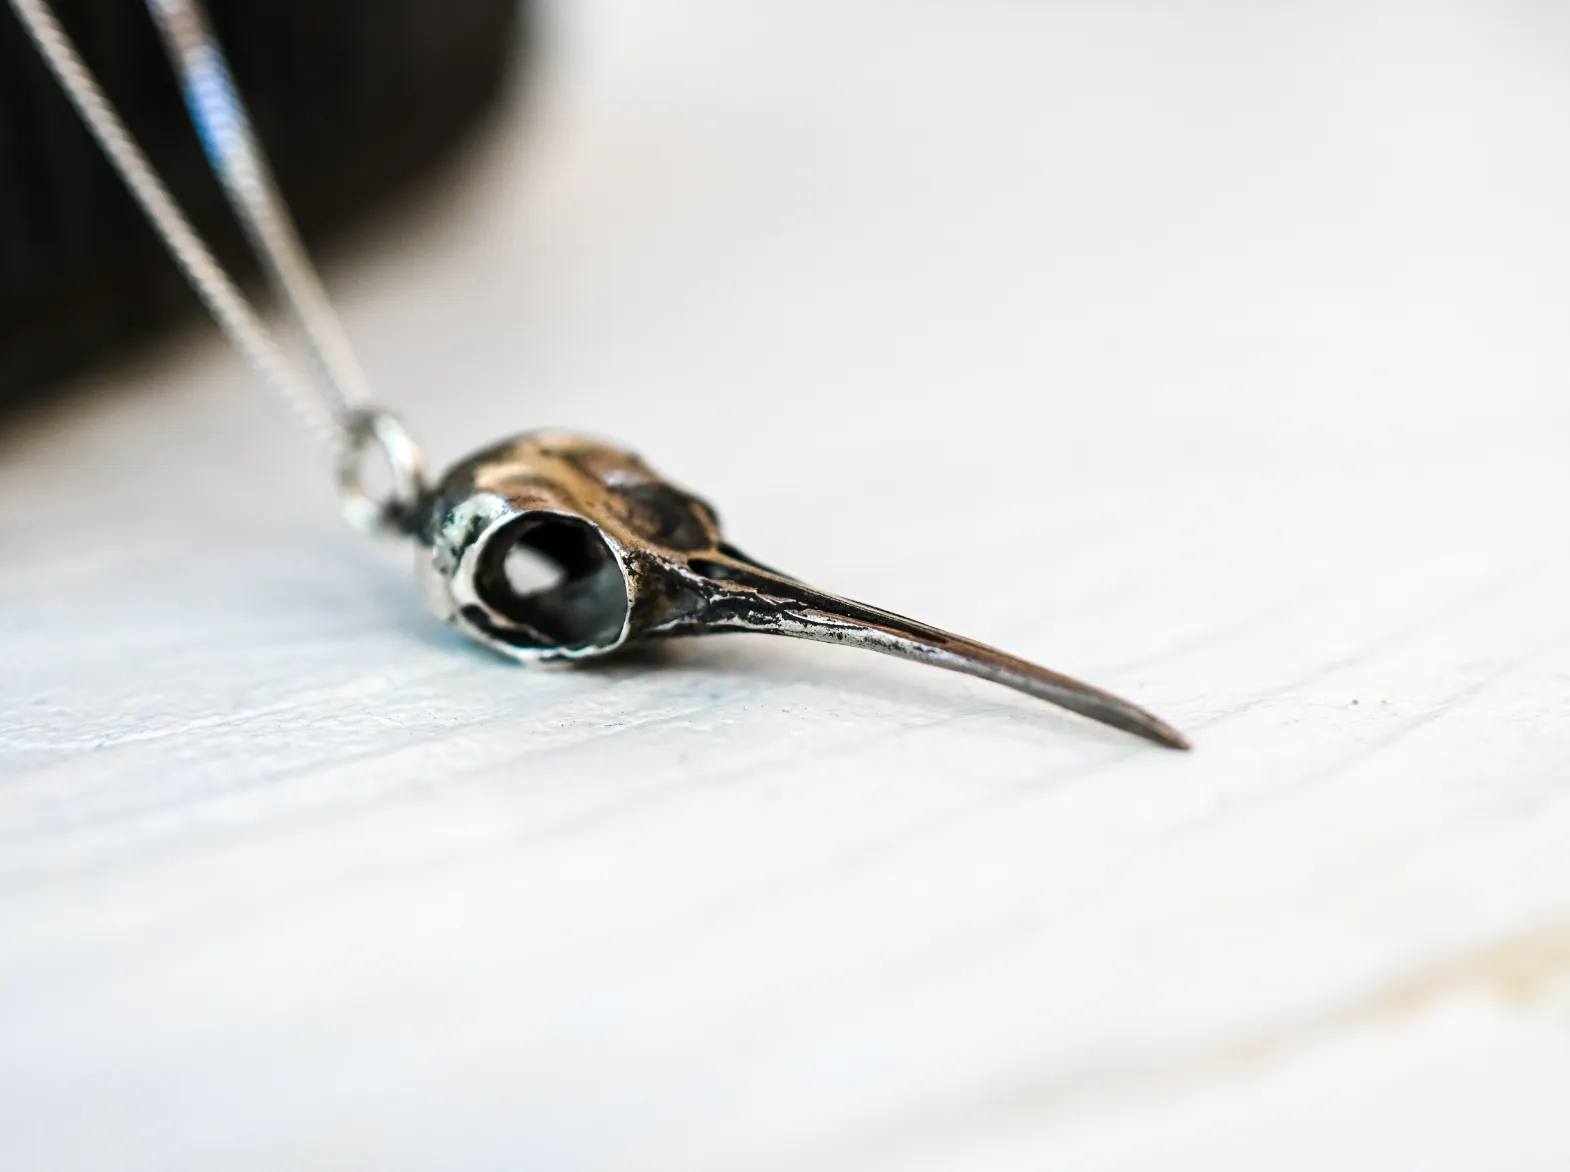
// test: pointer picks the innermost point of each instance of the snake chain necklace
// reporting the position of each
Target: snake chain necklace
(637, 558)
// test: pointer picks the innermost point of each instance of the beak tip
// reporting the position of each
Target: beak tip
(1160, 732)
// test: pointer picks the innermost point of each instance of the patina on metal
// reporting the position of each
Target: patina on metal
(629, 557)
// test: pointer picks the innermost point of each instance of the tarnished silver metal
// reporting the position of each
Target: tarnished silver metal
(631, 557)
(627, 555)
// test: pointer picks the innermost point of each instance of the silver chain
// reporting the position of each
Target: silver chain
(330, 394)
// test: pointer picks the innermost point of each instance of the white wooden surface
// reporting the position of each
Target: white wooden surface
(1218, 352)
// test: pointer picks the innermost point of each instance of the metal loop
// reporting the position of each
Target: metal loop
(396, 512)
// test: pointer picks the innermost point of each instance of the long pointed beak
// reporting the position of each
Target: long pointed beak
(748, 596)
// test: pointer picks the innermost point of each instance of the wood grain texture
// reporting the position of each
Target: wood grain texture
(1253, 319)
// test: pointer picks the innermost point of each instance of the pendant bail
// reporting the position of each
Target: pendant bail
(395, 513)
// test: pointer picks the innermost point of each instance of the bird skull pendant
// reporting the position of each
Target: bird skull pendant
(634, 557)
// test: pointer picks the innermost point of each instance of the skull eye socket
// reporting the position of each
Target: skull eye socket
(556, 582)
(669, 516)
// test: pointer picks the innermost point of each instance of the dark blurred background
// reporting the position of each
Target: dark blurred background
(351, 99)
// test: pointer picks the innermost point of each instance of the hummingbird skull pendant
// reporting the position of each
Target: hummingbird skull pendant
(638, 558)
(634, 556)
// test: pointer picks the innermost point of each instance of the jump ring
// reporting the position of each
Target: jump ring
(394, 513)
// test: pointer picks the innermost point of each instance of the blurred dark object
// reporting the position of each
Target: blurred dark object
(350, 99)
